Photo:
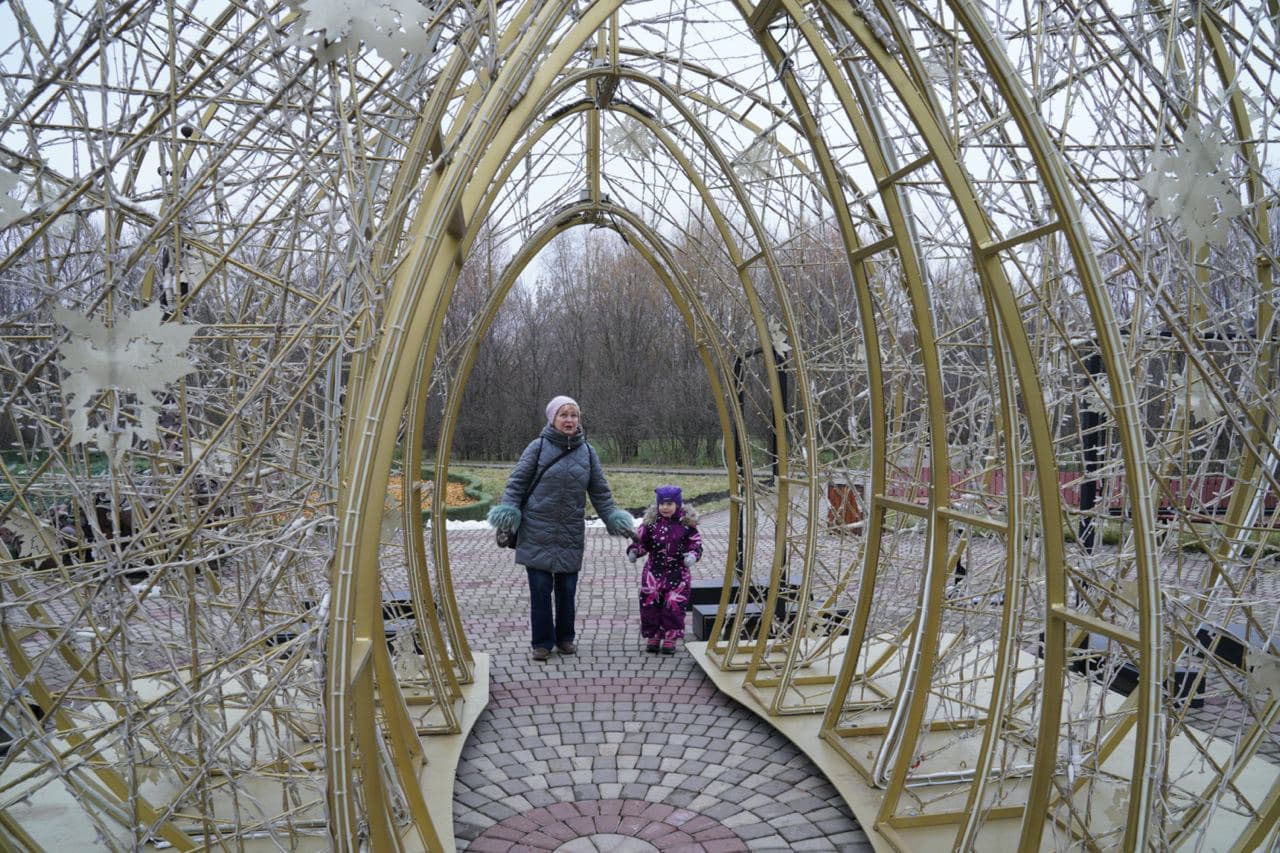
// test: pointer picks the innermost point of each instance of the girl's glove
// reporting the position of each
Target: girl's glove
(633, 552)
(689, 559)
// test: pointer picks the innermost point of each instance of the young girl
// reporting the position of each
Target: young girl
(669, 535)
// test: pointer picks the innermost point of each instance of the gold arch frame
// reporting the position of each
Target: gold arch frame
(903, 135)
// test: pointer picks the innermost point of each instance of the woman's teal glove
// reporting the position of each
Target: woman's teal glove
(504, 517)
(619, 523)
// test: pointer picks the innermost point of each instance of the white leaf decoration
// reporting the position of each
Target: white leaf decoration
(391, 518)
(938, 72)
(875, 21)
(1264, 675)
(756, 161)
(1096, 397)
(138, 356)
(392, 27)
(1116, 806)
(1202, 404)
(778, 337)
(39, 540)
(1193, 186)
(10, 208)
(332, 17)
(405, 659)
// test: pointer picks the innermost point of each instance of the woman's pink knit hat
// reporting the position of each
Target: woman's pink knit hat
(556, 404)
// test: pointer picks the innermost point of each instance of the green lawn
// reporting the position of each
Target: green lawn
(630, 490)
(634, 491)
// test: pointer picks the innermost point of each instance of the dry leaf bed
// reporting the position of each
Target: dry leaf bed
(454, 494)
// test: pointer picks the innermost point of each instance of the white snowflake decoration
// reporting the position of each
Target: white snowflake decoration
(137, 357)
(1193, 185)
(631, 139)
(392, 28)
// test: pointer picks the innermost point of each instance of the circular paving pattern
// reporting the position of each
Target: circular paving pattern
(614, 749)
(610, 825)
(605, 842)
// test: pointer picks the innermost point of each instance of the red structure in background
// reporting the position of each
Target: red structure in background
(846, 510)
(1206, 496)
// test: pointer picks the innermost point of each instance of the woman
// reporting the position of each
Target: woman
(544, 503)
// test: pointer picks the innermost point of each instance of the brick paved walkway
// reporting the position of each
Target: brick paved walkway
(614, 749)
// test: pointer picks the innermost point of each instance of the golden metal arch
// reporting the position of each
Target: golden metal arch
(308, 205)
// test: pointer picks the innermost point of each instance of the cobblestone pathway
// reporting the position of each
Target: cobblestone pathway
(615, 749)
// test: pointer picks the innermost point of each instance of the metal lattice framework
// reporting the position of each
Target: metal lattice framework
(1003, 276)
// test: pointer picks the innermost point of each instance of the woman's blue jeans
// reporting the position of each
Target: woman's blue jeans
(551, 629)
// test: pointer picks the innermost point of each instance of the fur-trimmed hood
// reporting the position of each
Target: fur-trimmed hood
(687, 514)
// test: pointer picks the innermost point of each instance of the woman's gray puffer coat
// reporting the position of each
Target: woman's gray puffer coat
(551, 526)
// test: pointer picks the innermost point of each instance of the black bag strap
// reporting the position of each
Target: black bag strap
(542, 471)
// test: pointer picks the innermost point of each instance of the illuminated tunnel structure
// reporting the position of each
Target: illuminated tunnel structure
(986, 300)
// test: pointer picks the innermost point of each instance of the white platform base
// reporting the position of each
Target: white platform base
(53, 817)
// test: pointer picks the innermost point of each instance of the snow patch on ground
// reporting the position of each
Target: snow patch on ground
(478, 525)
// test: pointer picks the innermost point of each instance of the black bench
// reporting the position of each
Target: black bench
(707, 591)
(1097, 657)
(1231, 643)
(397, 616)
(704, 618)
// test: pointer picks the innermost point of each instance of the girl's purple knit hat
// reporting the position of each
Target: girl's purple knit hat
(669, 493)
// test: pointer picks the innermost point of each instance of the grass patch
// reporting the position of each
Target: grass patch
(631, 491)
(634, 491)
